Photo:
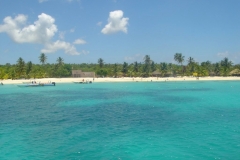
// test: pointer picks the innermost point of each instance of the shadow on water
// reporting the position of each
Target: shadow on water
(33, 110)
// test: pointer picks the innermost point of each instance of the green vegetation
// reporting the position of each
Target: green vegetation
(137, 69)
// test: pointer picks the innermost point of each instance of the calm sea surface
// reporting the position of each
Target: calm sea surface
(150, 120)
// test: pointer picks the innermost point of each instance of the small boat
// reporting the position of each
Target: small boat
(31, 82)
(82, 82)
(48, 84)
(37, 84)
(27, 82)
(29, 85)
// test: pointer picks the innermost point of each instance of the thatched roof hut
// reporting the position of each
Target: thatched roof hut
(235, 72)
(156, 74)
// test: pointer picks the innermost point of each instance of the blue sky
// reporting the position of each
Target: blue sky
(82, 31)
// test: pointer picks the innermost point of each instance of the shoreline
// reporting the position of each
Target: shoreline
(125, 79)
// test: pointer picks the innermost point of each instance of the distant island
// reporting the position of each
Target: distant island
(144, 69)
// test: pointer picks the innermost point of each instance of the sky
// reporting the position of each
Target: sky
(82, 31)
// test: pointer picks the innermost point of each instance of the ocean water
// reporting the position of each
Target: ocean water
(107, 121)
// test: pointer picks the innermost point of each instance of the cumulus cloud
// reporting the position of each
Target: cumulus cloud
(116, 23)
(40, 32)
(60, 45)
(223, 54)
(79, 41)
(61, 35)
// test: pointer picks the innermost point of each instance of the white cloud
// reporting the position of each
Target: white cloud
(223, 54)
(61, 35)
(84, 52)
(116, 23)
(79, 41)
(40, 1)
(99, 24)
(72, 30)
(136, 57)
(40, 32)
(60, 45)
(234, 57)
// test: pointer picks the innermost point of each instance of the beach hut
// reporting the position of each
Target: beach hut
(235, 72)
(156, 74)
(79, 73)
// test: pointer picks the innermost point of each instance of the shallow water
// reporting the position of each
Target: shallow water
(150, 120)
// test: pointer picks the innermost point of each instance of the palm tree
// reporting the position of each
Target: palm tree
(153, 66)
(163, 68)
(100, 62)
(190, 60)
(191, 64)
(115, 70)
(217, 69)
(125, 68)
(12, 74)
(60, 61)
(135, 67)
(170, 68)
(42, 58)
(179, 58)
(226, 65)
(20, 67)
(147, 65)
(207, 65)
(59, 70)
(29, 68)
(2, 73)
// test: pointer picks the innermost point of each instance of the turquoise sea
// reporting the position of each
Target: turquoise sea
(127, 121)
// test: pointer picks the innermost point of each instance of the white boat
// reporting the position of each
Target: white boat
(37, 84)
(29, 85)
(82, 82)
(48, 84)
(27, 82)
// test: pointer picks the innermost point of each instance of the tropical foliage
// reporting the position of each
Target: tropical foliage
(145, 68)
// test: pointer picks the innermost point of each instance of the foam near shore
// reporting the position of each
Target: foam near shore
(123, 79)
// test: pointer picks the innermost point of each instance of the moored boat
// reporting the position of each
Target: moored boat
(48, 84)
(37, 84)
(82, 82)
(28, 85)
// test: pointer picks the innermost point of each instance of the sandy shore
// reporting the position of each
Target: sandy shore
(125, 79)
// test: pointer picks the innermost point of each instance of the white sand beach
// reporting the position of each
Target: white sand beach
(123, 79)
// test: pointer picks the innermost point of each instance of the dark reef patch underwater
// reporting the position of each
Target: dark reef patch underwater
(174, 120)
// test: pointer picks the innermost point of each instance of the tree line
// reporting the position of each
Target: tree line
(146, 68)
